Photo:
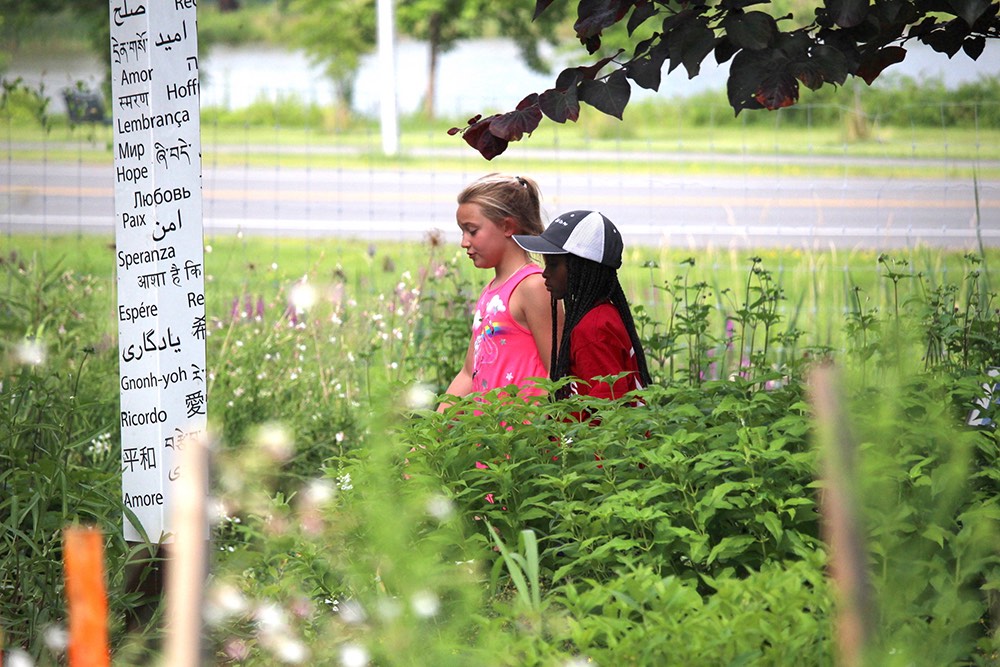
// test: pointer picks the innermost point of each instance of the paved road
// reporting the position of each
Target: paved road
(733, 211)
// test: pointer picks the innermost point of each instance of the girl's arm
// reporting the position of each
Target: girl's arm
(532, 307)
(462, 384)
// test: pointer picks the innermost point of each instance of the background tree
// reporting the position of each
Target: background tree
(441, 23)
(335, 35)
(18, 17)
(445, 23)
(769, 56)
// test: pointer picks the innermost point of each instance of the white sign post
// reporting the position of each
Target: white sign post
(159, 240)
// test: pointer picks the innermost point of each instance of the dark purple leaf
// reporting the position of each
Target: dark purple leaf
(646, 72)
(777, 90)
(973, 46)
(947, 39)
(644, 9)
(675, 21)
(825, 65)
(794, 45)
(896, 12)
(560, 105)
(847, 13)
(927, 25)
(593, 16)
(752, 30)
(569, 77)
(541, 6)
(591, 71)
(873, 63)
(592, 44)
(724, 50)
(642, 47)
(689, 45)
(513, 125)
(609, 96)
(740, 4)
(745, 74)
(970, 10)
(479, 137)
(987, 23)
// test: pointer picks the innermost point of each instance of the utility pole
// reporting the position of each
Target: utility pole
(387, 68)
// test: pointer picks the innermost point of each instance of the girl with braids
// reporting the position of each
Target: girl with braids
(583, 251)
(511, 339)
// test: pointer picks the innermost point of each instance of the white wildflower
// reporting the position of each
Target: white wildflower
(344, 482)
(352, 613)
(389, 609)
(425, 604)
(318, 492)
(440, 507)
(275, 440)
(290, 651)
(419, 396)
(31, 353)
(352, 655)
(15, 657)
(56, 638)
(303, 296)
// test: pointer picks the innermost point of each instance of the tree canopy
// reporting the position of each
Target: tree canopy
(336, 36)
(769, 57)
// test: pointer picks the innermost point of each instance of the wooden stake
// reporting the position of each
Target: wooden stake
(87, 601)
(841, 524)
(186, 569)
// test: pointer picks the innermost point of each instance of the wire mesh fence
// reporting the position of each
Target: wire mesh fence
(814, 176)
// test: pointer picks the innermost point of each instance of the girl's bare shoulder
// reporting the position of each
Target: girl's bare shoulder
(532, 283)
(531, 293)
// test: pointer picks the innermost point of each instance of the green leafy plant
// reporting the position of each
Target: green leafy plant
(354, 520)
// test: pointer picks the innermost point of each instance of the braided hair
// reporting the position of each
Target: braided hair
(588, 284)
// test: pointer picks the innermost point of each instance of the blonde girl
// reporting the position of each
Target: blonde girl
(512, 325)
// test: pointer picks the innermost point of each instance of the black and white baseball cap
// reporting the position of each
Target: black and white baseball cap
(586, 234)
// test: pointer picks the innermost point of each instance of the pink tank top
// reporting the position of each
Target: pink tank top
(504, 351)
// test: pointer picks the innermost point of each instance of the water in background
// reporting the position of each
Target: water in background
(478, 76)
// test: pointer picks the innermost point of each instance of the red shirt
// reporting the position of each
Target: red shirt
(600, 345)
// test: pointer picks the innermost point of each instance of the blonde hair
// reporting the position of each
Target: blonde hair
(501, 196)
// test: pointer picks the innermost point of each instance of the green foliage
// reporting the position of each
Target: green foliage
(678, 484)
(776, 616)
(442, 332)
(337, 36)
(253, 23)
(358, 524)
(20, 103)
(286, 111)
(59, 464)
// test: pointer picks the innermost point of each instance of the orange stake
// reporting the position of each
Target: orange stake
(86, 597)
